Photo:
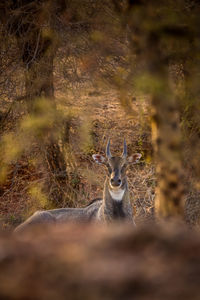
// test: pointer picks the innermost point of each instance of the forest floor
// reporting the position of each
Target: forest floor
(95, 115)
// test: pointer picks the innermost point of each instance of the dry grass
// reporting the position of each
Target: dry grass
(95, 115)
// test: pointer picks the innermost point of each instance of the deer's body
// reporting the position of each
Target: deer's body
(114, 206)
(62, 215)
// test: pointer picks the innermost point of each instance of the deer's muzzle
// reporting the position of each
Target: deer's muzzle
(115, 181)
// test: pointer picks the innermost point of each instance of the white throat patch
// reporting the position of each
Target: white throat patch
(118, 194)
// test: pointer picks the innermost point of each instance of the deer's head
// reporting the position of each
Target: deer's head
(116, 165)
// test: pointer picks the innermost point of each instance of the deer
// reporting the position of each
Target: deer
(114, 206)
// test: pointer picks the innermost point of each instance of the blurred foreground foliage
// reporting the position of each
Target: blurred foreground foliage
(94, 262)
(32, 128)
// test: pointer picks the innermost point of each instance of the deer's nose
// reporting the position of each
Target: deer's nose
(115, 181)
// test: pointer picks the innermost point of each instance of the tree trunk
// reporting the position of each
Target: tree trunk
(166, 135)
(38, 43)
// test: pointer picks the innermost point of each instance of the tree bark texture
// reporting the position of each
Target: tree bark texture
(33, 26)
(147, 43)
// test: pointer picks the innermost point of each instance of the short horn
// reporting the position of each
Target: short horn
(108, 154)
(124, 154)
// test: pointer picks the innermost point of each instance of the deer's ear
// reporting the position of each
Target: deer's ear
(99, 159)
(134, 158)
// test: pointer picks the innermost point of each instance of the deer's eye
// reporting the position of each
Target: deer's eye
(109, 169)
(123, 169)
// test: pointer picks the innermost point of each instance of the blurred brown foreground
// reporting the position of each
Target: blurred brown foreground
(93, 262)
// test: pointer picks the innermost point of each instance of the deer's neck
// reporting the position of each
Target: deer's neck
(117, 195)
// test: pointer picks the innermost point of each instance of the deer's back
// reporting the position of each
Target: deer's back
(63, 215)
